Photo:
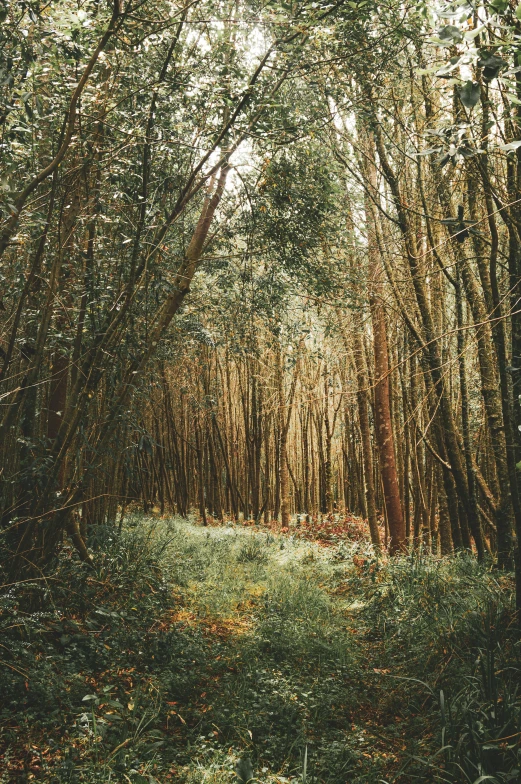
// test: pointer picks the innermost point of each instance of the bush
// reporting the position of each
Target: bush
(450, 624)
(78, 677)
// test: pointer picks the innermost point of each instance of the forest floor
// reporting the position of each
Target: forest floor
(191, 648)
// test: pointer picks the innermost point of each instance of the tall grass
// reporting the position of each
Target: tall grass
(191, 648)
(446, 627)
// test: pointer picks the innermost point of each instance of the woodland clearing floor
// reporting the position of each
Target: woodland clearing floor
(308, 673)
(195, 646)
(301, 670)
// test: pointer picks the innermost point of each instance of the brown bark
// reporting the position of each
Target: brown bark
(382, 405)
(285, 411)
(363, 417)
(450, 434)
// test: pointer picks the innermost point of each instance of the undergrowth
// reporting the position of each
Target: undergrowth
(190, 648)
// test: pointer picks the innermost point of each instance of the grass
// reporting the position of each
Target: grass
(190, 649)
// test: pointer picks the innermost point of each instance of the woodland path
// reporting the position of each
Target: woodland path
(189, 648)
(291, 660)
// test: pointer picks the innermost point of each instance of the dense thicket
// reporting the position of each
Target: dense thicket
(260, 260)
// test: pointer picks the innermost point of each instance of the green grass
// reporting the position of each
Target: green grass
(190, 648)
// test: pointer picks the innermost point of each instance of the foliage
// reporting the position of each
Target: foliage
(76, 669)
(191, 648)
(450, 623)
(159, 106)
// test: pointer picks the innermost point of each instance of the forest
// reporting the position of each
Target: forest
(260, 391)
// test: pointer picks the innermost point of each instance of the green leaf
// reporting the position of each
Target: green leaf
(469, 35)
(491, 64)
(469, 94)
(450, 34)
(511, 146)
(499, 6)
(443, 160)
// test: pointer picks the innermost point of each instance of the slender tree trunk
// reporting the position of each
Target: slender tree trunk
(383, 421)
(363, 417)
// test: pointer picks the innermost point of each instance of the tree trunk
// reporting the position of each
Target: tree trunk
(382, 408)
